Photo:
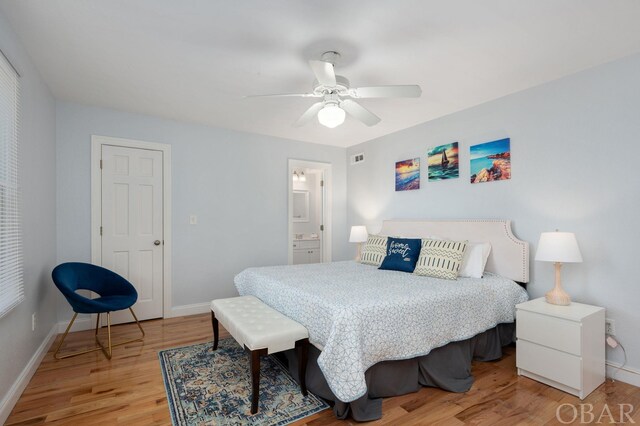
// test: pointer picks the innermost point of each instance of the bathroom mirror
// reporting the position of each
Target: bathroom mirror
(301, 206)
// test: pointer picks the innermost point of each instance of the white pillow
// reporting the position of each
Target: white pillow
(440, 258)
(474, 260)
(374, 250)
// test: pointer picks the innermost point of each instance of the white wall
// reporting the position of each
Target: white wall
(37, 179)
(575, 147)
(235, 182)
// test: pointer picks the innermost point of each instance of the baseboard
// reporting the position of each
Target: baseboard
(85, 322)
(13, 394)
(194, 309)
(80, 324)
(625, 374)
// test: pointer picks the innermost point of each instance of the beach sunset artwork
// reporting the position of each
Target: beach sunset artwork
(443, 162)
(408, 175)
(491, 161)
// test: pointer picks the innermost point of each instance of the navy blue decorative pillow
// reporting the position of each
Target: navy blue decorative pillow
(402, 254)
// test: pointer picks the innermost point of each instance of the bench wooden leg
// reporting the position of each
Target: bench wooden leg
(255, 377)
(214, 324)
(302, 347)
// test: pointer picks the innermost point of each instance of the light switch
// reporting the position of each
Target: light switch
(193, 219)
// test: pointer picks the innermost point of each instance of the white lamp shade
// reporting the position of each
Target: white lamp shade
(358, 234)
(558, 247)
(331, 116)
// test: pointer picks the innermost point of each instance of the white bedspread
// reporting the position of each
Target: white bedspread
(359, 315)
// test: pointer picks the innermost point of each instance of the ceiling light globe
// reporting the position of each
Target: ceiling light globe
(331, 116)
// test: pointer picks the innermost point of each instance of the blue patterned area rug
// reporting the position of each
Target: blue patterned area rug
(207, 387)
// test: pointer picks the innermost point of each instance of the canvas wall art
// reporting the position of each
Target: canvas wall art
(491, 161)
(408, 175)
(442, 162)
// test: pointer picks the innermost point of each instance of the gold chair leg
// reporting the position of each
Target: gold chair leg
(97, 323)
(108, 351)
(137, 322)
(64, 336)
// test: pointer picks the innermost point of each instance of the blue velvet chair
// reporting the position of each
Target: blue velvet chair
(115, 294)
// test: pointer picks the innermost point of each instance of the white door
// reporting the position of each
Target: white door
(132, 223)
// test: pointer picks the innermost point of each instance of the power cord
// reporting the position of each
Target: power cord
(614, 343)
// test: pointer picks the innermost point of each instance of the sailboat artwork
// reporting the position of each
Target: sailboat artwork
(442, 162)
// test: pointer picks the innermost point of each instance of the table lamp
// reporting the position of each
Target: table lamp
(558, 247)
(358, 235)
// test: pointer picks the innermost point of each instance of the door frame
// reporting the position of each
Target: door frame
(327, 205)
(96, 205)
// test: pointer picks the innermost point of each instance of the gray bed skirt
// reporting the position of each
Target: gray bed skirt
(447, 367)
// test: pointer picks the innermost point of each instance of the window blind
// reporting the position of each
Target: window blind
(11, 273)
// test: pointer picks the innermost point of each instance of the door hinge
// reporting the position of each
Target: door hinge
(101, 231)
(321, 183)
(322, 227)
(100, 164)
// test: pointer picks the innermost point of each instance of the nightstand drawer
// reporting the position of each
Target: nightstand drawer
(558, 366)
(556, 333)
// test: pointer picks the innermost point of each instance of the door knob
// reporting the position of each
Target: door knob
(156, 242)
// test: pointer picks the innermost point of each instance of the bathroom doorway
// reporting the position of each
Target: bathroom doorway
(309, 212)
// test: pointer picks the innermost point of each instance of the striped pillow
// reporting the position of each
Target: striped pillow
(374, 250)
(440, 258)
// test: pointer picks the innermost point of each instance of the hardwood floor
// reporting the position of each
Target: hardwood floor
(89, 389)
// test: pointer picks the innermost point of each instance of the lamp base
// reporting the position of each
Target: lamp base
(359, 253)
(558, 296)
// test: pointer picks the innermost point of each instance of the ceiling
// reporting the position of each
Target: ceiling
(195, 60)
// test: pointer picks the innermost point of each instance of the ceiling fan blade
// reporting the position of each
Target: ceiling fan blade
(359, 112)
(286, 95)
(309, 114)
(324, 72)
(408, 91)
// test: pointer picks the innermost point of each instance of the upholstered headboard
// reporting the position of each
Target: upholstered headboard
(509, 256)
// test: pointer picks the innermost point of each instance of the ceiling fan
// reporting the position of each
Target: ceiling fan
(337, 96)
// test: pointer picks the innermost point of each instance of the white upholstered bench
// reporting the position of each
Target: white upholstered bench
(261, 330)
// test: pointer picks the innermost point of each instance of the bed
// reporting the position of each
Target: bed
(381, 333)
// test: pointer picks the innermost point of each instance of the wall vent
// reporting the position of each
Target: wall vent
(357, 158)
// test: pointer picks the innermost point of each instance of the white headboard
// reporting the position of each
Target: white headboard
(509, 256)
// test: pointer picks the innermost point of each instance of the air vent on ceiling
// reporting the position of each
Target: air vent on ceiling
(357, 158)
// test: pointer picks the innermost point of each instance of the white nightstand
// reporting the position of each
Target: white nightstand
(561, 346)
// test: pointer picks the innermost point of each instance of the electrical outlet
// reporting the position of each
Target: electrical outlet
(33, 321)
(610, 327)
(193, 219)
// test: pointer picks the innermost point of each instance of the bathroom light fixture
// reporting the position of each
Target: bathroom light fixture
(302, 177)
(331, 115)
(295, 176)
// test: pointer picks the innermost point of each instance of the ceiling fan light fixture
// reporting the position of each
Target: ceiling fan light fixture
(331, 116)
